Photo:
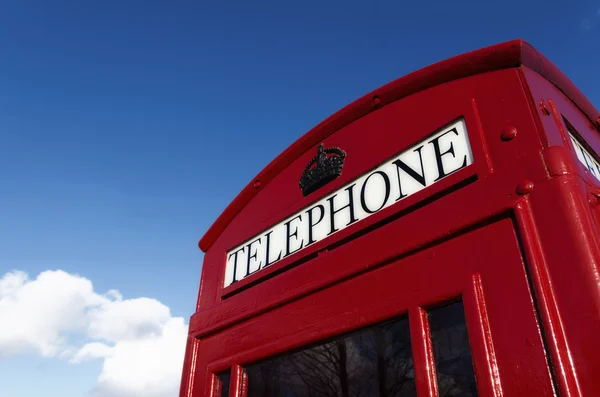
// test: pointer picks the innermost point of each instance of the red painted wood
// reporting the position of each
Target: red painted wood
(422, 353)
(237, 388)
(189, 366)
(482, 343)
(516, 235)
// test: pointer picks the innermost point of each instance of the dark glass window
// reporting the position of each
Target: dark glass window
(451, 350)
(223, 380)
(373, 362)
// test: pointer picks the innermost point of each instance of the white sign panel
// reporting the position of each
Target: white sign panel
(444, 152)
(586, 158)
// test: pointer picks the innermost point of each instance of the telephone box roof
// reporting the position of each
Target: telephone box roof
(510, 54)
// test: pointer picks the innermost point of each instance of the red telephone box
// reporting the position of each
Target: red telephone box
(437, 237)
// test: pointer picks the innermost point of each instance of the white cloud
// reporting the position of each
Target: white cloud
(143, 362)
(119, 319)
(140, 343)
(42, 311)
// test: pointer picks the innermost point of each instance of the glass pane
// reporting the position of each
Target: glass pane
(224, 379)
(376, 362)
(452, 352)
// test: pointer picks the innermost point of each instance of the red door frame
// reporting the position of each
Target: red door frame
(524, 171)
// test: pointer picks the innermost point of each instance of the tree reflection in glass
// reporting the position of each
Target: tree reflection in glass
(373, 362)
(453, 361)
(223, 380)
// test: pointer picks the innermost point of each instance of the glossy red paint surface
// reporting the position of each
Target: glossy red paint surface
(511, 54)
(516, 235)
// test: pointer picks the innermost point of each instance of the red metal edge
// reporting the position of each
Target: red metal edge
(510, 54)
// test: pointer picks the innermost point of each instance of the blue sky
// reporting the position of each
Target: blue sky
(116, 118)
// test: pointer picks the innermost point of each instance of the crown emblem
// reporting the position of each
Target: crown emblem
(322, 169)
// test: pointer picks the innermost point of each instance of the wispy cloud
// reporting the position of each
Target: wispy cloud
(141, 344)
(587, 24)
(590, 22)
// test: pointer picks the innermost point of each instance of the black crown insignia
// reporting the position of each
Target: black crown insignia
(322, 169)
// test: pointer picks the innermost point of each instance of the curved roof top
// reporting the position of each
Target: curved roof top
(510, 54)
